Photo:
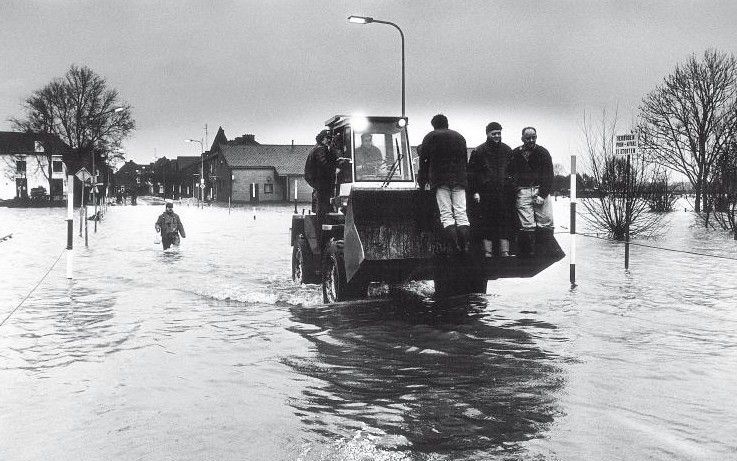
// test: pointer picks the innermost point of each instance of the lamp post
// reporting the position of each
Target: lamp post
(94, 172)
(369, 20)
(202, 169)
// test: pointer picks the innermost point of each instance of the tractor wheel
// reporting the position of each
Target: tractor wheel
(303, 270)
(335, 288)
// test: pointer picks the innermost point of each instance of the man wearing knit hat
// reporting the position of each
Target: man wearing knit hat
(488, 185)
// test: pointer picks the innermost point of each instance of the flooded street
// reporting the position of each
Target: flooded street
(212, 352)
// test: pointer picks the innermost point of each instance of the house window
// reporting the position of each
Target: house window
(268, 188)
(20, 166)
(57, 166)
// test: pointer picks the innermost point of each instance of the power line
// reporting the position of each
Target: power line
(34, 289)
(662, 248)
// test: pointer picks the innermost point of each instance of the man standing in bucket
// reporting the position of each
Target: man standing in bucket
(531, 170)
(443, 161)
(170, 227)
(489, 189)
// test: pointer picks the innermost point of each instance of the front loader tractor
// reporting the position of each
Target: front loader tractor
(383, 228)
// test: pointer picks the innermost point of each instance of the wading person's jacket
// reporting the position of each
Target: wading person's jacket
(169, 223)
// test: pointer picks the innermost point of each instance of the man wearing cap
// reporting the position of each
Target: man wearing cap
(489, 189)
(170, 227)
(531, 170)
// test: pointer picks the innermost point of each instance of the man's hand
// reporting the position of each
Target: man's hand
(158, 228)
(537, 200)
(477, 197)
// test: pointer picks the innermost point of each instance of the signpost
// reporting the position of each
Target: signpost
(83, 176)
(626, 144)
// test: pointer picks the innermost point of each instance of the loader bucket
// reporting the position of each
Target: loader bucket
(390, 234)
(393, 235)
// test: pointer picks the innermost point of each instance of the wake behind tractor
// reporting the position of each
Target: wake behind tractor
(384, 228)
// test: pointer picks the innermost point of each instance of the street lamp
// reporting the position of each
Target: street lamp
(94, 172)
(367, 20)
(202, 168)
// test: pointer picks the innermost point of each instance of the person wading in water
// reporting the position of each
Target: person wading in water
(170, 227)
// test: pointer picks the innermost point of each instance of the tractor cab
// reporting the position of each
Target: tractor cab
(379, 153)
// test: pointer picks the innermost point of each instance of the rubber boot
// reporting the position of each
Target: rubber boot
(464, 239)
(451, 238)
(489, 248)
(503, 247)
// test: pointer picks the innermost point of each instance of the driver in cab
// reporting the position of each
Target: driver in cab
(369, 160)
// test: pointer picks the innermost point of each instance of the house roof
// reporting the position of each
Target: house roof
(14, 142)
(285, 159)
(185, 161)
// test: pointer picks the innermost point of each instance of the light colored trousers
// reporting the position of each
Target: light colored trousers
(531, 215)
(452, 205)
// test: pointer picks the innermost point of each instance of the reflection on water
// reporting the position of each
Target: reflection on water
(427, 376)
(211, 352)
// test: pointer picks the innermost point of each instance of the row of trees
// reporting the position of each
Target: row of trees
(85, 113)
(687, 125)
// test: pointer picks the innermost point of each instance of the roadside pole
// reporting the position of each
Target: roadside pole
(81, 210)
(573, 222)
(627, 216)
(94, 188)
(627, 145)
(84, 208)
(70, 224)
(295, 195)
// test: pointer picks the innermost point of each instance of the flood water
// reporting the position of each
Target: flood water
(212, 352)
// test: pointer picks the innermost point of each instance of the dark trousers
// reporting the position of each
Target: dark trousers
(321, 207)
(168, 239)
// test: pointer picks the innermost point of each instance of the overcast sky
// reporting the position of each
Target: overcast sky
(278, 69)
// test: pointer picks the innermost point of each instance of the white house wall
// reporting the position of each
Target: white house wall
(36, 165)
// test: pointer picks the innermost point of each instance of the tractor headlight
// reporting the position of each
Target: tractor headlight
(359, 123)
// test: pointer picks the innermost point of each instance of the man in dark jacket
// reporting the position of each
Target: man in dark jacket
(531, 170)
(489, 188)
(170, 227)
(320, 173)
(443, 161)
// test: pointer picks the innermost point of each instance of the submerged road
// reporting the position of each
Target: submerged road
(212, 352)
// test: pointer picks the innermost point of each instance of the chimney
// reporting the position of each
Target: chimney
(249, 137)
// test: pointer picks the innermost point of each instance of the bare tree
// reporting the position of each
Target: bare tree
(83, 112)
(622, 199)
(686, 121)
(661, 193)
(722, 191)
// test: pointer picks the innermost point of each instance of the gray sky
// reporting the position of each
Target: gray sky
(279, 69)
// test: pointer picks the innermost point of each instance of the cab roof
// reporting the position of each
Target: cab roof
(341, 120)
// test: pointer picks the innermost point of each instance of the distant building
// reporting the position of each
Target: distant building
(32, 166)
(243, 170)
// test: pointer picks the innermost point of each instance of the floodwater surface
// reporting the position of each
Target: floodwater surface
(211, 351)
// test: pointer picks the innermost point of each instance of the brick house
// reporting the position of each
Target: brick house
(245, 171)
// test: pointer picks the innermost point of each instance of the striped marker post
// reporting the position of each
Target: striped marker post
(70, 224)
(573, 222)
